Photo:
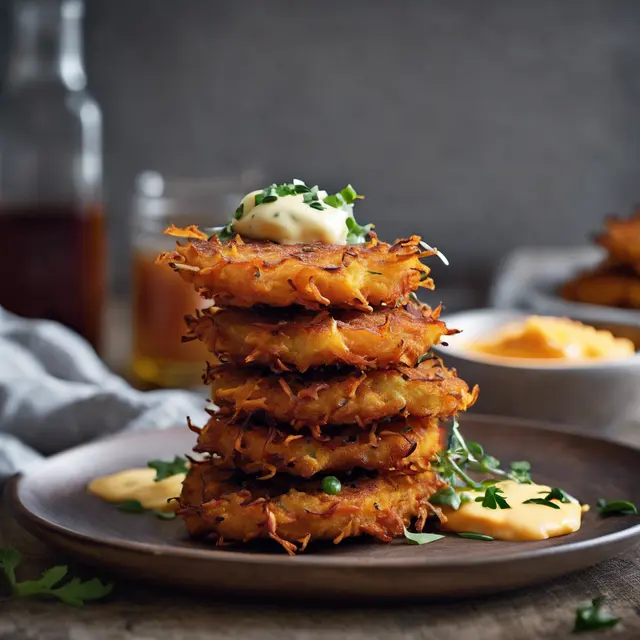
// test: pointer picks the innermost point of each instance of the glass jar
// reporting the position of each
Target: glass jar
(161, 299)
(51, 215)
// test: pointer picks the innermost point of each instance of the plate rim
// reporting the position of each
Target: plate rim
(27, 518)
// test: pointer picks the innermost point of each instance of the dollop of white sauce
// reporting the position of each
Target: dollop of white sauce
(289, 220)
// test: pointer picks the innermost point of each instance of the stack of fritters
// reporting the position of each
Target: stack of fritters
(326, 371)
(616, 281)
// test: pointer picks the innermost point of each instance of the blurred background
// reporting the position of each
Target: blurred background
(480, 125)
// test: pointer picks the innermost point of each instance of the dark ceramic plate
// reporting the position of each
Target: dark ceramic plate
(52, 503)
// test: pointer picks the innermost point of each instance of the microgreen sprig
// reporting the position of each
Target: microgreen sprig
(462, 457)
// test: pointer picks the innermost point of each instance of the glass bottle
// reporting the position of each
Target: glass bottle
(52, 239)
(161, 299)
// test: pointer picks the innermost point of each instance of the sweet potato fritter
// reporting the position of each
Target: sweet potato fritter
(331, 397)
(225, 506)
(621, 239)
(610, 286)
(244, 274)
(404, 444)
(298, 339)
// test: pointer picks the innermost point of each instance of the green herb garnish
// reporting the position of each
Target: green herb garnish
(131, 506)
(421, 538)
(167, 468)
(331, 485)
(357, 234)
(429, 355)
(375, 273)
(492, 499)
(474, 536)
(446, 497)
(343, 198)
(521, 471)
(461, 456)
(542, 501)
(616, 508)
(74, 592)
(590, 617)
(164, 515)
(558, 494)
(224, 233)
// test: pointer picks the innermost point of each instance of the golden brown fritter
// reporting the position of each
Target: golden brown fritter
(299, 339)
(245, 274)
(400, 445)
(332, 397)
(225, 506)
(621, 239)
(607, 285)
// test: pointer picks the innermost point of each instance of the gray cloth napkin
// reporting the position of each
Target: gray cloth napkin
(56, 393)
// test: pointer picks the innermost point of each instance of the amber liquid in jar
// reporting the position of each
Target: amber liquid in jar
(53, 265)
(161, 300)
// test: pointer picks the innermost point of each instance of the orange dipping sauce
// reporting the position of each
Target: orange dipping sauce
(544, 337)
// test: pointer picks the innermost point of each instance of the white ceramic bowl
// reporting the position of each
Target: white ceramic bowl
(600, 395)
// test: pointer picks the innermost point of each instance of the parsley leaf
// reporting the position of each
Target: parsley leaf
(74, 592)
(590, 617)
(421, 538)
(542, 501)
(492, 499)
(167, 468)
(616, 508)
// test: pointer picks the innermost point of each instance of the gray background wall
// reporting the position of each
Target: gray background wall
(480, 124)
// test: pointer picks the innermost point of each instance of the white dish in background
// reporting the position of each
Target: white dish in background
(598, 395)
